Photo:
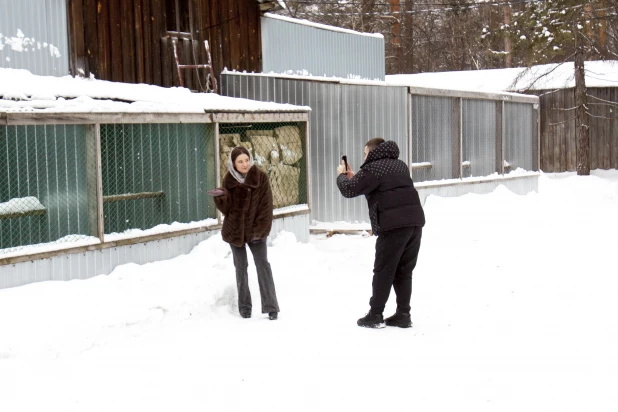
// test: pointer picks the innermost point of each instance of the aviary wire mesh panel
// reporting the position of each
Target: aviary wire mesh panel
(520, 137)
(280, 149)
(43, 185)
(479, 137)
(432, 138)
(156, 174)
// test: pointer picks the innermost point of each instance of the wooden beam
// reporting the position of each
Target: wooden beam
(91, 180)
(133, 196)
(99, 182)
(127, 21)
(103, 28)
(116, 41)
(13, 215)
(91, 37)
(77, 61)
(157, 17)
(139, 29)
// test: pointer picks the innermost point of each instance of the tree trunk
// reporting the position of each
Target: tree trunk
(581, 104)
(506, 11)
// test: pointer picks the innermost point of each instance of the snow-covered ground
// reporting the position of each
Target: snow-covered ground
(514, 309)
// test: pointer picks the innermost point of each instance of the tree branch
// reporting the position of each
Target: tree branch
(563, 122)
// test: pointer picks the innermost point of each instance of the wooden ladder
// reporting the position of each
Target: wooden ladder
(210, 75)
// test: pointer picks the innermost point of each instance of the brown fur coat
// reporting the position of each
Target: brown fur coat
(248, 208)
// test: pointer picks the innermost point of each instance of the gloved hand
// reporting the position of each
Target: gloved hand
(215, 192)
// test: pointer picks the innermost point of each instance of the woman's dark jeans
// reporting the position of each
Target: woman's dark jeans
(264, 273)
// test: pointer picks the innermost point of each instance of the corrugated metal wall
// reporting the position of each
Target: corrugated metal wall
(479, 137)
(343, 118)
(288, 46)
(44, 24)
(102, 262)
(520, 136)
(432, 137)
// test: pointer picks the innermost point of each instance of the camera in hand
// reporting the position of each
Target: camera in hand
(345, 162)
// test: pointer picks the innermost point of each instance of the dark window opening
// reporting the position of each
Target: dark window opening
(177, 15)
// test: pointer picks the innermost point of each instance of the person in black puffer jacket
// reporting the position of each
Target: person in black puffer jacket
(397, 219)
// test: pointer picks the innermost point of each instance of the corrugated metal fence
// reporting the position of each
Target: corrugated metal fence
(458, 134)
(343, 118)
(308, 50)
(441, 134)
(33, 36)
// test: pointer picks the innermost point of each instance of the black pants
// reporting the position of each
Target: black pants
(396, 255)
(264, 273)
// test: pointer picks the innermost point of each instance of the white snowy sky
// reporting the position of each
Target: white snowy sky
(513, 305)
(598, 74)
(20, 90)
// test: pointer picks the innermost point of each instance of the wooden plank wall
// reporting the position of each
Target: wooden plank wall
(559, 135)
(126, 40)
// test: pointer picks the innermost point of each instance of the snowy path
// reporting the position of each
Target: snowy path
(511, 312)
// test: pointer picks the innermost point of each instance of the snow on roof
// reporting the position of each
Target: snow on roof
(543, 77)
(21, 91)
(305, 75)
(321, 26)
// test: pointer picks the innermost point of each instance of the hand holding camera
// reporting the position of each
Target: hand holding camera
(344, 167)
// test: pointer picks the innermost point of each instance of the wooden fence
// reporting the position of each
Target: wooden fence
(559, 135)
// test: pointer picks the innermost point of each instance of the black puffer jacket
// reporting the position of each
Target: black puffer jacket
(386, 183)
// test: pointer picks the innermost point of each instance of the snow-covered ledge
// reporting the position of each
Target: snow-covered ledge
(518, 181)
(21, 207)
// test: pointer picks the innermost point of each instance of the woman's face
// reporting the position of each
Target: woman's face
(242, 163)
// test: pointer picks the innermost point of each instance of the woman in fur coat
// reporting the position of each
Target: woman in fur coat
(246, 202)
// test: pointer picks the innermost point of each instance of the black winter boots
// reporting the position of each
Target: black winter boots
(399, 319)
(371, 320)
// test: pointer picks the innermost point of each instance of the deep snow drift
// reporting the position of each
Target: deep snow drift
(514, 309)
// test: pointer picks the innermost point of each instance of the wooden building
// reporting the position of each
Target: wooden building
(132, 40)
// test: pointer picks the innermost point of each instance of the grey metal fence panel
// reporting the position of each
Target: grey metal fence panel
(298, 48)
(479, 137)
(34, 36)
(432, 135)
(520, 136)
(343, 118)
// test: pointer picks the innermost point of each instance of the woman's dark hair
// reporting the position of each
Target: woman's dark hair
(237, 151)
(375, 142)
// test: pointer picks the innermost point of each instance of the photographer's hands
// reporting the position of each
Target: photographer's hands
(341, 169)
